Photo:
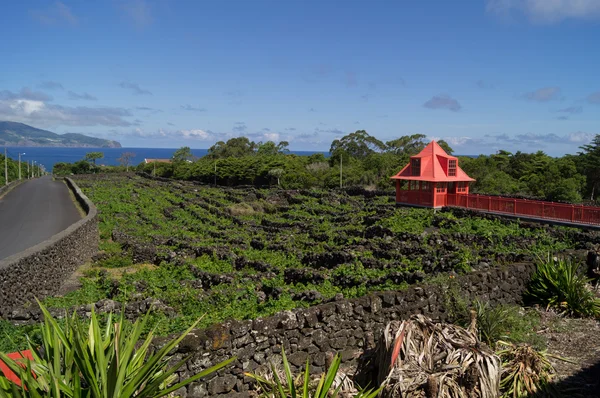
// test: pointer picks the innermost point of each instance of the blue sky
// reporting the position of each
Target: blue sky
(483, 74)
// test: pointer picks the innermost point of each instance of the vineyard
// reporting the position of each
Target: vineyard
(243, 252)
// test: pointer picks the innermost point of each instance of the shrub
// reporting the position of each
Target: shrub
(78, 359)
(557, 284)
(280, 383)
(507, 322)
(241, 209)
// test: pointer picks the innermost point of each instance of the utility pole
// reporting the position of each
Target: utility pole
(27, 169)
(215, 172)
(5, 168)
(20, 165)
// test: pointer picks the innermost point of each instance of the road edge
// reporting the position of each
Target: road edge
(39, 271)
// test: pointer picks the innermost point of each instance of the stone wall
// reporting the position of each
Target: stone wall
(349, 327)
(6, 188)
(40, 270)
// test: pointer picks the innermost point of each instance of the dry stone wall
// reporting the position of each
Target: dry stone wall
(40, 270)
(5, 188)
(349, 327)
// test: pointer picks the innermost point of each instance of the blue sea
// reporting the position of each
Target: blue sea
(49, 156)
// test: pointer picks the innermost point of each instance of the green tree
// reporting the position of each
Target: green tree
(93, 156)
(357, 145)
(183, 154)
(277, 173)
(234, 147)
(590, 164)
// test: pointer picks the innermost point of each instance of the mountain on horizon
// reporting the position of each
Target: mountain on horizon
(20, 134)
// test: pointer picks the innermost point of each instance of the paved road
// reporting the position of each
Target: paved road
(32, 212)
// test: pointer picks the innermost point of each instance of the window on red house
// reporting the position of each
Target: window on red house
(452, 168)
(462, 187)
(441, 187)
(415, 167)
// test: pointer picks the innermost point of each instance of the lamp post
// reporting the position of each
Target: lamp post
(20, 154)
(33, 169)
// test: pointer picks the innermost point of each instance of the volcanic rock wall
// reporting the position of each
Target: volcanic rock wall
(349, 327)
(40, 270)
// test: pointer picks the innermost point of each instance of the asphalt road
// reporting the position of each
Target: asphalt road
(32, 212)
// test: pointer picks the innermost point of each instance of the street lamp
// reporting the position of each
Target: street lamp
(20, 154)
(33, 169)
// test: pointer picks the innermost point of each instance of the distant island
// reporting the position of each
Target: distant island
(19, 134)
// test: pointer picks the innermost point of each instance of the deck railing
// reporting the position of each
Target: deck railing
(528, 208)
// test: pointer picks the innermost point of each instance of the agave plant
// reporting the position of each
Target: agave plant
(557, 284)
(526, 371)
(280, 383)
(78, 359)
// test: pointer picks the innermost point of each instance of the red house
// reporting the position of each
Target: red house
(430, 177)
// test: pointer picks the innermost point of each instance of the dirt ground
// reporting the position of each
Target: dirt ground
(578, 341)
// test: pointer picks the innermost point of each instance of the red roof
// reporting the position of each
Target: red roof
(434, 161)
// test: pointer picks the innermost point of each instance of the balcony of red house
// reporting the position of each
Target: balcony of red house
(429, 178)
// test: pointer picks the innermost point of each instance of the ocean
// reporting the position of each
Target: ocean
(48, 156)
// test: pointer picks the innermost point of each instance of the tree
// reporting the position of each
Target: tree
(358, 145)
(277, 173)
(93, 156)
(234, 147)
(125, 159)
(183, 154)
(282, 147)
(590, 162)
(407, 145)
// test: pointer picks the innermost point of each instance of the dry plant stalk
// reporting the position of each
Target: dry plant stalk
(422, 359)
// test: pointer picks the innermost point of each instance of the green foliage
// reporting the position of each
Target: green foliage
(82, 359)
(183, 154)
(557, 284)
(357, 145)
(282, 383)
(507, 323)
(13, 338)
(254, 238)
(93, 156)
(589, 165)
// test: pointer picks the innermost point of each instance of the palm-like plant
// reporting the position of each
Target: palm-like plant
(557, 284)
(282, 384)
(81, 360)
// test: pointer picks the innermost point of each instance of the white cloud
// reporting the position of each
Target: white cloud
(271, 137)
(58, 13)
(580, 137)
(34, 108)
(547, 11)
(194, 134)
(138, 11)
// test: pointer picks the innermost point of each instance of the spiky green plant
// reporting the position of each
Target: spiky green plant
(282, 384)
(526, 371)
(557, 284)
(491, 321)
(78, 359)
